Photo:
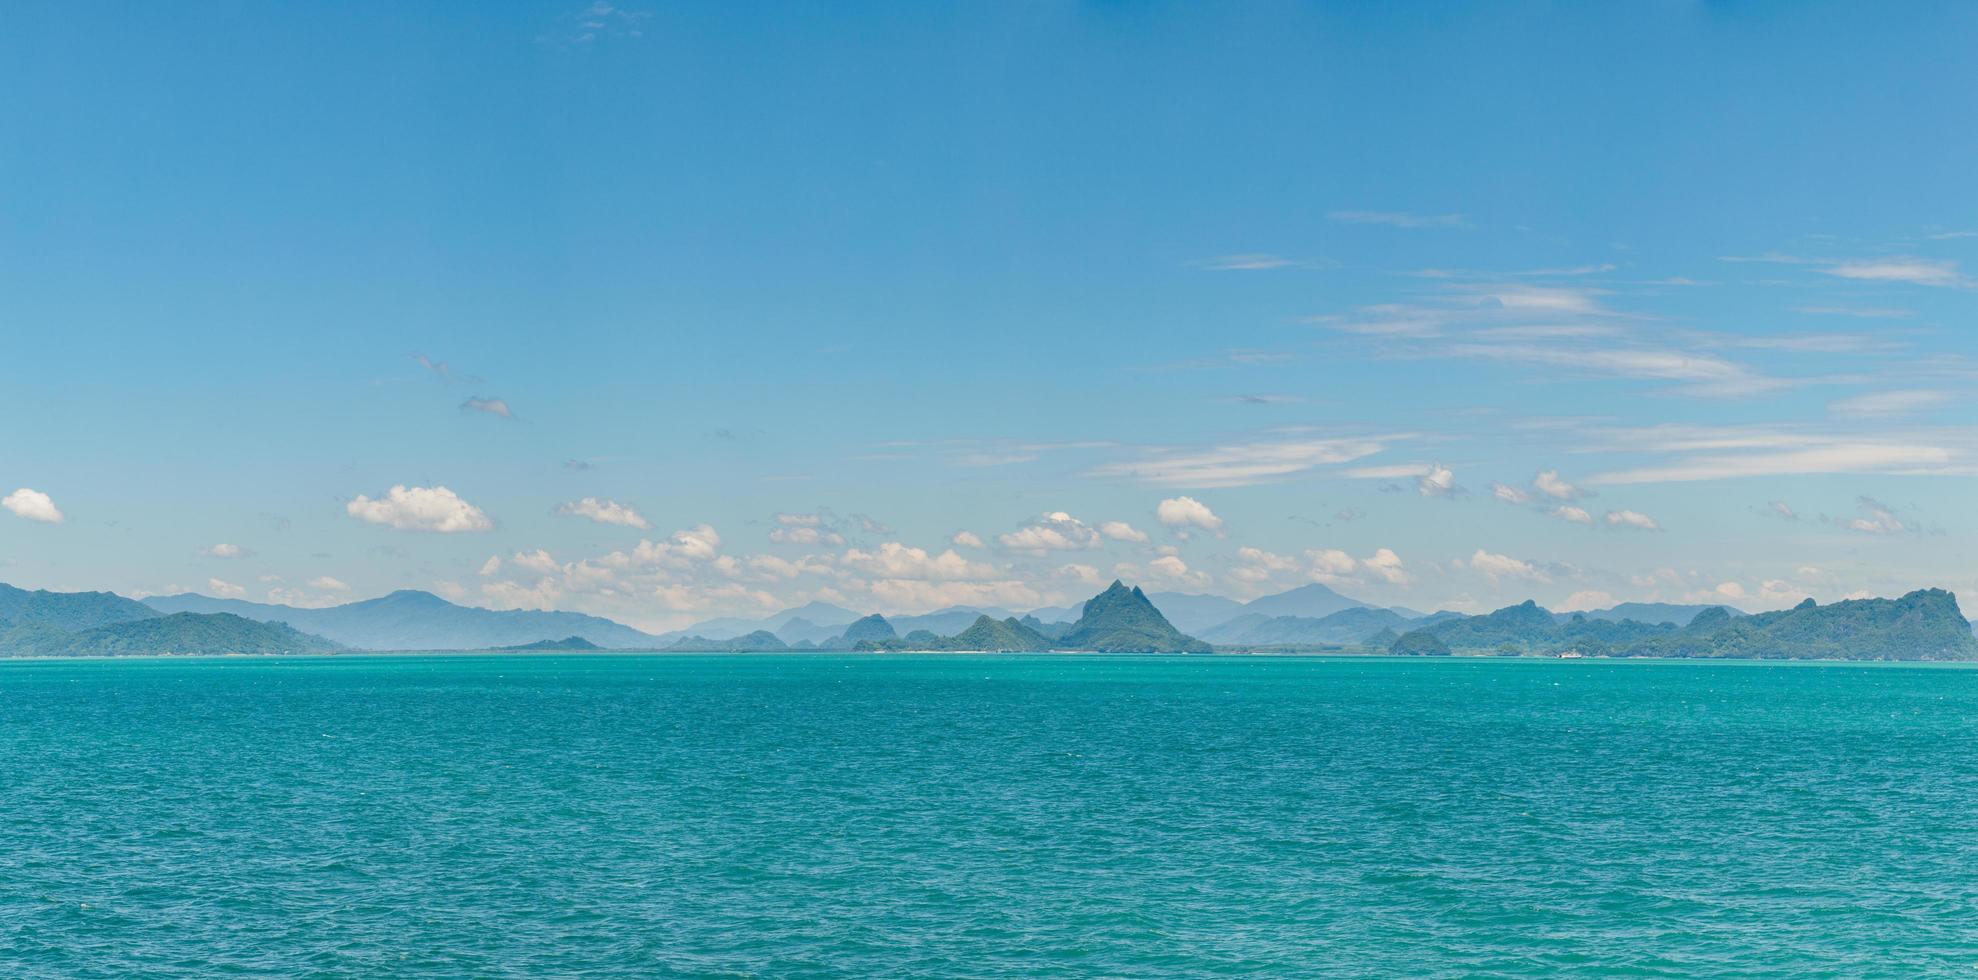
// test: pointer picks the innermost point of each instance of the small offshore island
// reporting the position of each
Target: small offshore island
(1922, 625)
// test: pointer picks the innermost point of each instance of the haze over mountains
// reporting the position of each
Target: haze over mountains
(1311, 617)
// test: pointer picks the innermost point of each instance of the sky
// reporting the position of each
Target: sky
(669, 311)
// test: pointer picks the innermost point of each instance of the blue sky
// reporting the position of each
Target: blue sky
(1442, 305)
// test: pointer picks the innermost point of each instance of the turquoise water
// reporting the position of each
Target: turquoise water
(985, 816)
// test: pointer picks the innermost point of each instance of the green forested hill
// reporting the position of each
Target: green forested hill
(194, 634)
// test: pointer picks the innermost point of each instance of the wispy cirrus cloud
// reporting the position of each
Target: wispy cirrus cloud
(1887, 404)
(1399, 219)
(1905, 269)
(1261, 262)
(1703, 453)
(1240, 463)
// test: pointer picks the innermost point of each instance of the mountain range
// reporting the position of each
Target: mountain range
(411, 620)
(1311, 617)
(1922, 625)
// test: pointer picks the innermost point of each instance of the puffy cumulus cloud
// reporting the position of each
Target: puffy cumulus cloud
(697, 544)
(682, 598)
(965, 539)
(1055, 531)
(1385, 565)
(1171, 568)
(1631, 519)
(538, 561)
(33, 505)
(328, 584)
(1729, 590)
(1332, 566)
(1509, 494)
(919, 595)
(1084, 575)
(806, 535)
(224, 589)
(1548, 482)
(604, 512)
(1874, 517)
(1439, 481)
(302, 599)
(1572, 514)
(898, 561)
(1586, 600)
(1182, 513)
(1166, 571)
(1255, 565)
(1122, 531)
(225, 551)
(434, 509)
(1779, 592)
(491, 406)
(1498, 568)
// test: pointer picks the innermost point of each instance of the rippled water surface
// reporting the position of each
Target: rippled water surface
(985, 817)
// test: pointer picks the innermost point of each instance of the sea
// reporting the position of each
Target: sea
(985, 816)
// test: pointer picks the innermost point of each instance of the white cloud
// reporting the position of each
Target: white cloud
(1187, 512)
(806, 535)
(1729, 590)
(1238, 465)
(328, 584)
(1630, 518)
(224, 550)
(1548, 482)
(491, 566)
(1586, 600)
(1258, 566)
(965, 539)
(1398, 219)
(1784, 510)
(1173, 569)
(434, 509)
(1884, 404)
(894, 560)
(1335, 567)
(604, 512)
(33, 505)
(1122, 531)
(1509, 494)
(1576, 515)
(1084, 575)
(1385, 565)
(1828, 457)
(224, 589)
(1921, 272)
(1439, 481)
(1876, 518)
(492, 406)
(1055, 531)
(1249, 262)
(1499, 567)
(538, 561)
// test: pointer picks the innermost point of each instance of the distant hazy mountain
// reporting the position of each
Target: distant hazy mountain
(1347, 626)
(1313, 601)
(1192, 613)
(183, 634)
(1648, 612)
(947, 621)
(68, 611)
(411, 620)
(1923, 625)
(815, 615)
